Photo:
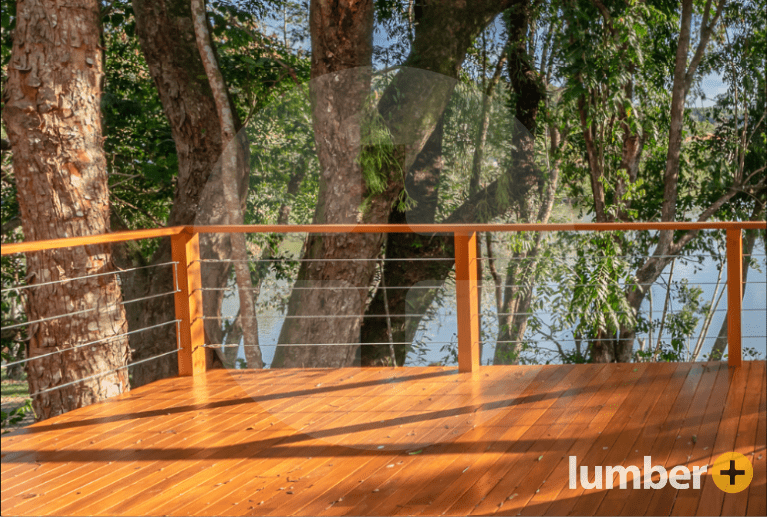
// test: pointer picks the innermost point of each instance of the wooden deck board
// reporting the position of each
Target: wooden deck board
(443, 463)
(711, 497)
(662, 500)
(579, 413)
(453, 464)
(686, 502)
(662, 428)
(519, 454)
(234, 474)
(622, 430)
(736, 504)
(482, 443)
(452, 402)
(226, 428)
(284, 469)
(120, 437)
(757, 495)
(337, 442)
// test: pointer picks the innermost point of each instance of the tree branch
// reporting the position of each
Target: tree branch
(705, 34)
(156, 221)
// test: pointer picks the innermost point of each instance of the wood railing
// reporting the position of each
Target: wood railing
(185, 245)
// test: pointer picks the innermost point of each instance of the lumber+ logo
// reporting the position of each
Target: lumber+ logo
(678, 476)
(732, 473)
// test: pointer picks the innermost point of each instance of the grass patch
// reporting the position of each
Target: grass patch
(14, 389)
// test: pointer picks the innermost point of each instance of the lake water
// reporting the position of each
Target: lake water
(440, 333)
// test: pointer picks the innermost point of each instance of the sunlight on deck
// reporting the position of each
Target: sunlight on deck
(382, 441)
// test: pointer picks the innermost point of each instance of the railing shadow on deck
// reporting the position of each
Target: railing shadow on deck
(286, 446)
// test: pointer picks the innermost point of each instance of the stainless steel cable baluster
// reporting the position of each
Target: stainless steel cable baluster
(73, 279)
(101, 374)
(91, 343)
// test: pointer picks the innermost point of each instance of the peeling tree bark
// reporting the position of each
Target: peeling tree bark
(166, 33)
(52, 114)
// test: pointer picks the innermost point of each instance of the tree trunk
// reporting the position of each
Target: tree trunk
(422, 184)
(234, 165)
(684, 72)
(52, 114)
(342, 42)
(529, 197)
(410, 107)
(442, 35)
(166, 33)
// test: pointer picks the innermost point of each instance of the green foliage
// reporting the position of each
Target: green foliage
(13, 387)
(140, 152)
(376, 158)
(12, 274)
(262, 48)
(598, 305)
(378, 161)
(679, 325)
(16, 415)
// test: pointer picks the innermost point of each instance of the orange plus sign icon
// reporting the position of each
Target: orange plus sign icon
(732, 472)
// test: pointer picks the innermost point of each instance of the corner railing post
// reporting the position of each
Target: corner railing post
(185, 249)
(467, 304)
(734, 295)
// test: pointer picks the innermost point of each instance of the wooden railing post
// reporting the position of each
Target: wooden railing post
(734, 295)
(185, 249)
(467, 304)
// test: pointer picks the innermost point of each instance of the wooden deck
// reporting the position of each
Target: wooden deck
(380, 441)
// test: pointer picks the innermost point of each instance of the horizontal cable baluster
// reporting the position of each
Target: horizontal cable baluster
(91, 343)
(232, 288)
(50, 318)
(602, 339)
(101, 374)
(325, 344)
(415, 259)
(64, 280)
(84, 311)
(319, 316)
(144, 298)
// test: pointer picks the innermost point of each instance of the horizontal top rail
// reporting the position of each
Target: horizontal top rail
(104, 238)
(476, 227)
(23, 247)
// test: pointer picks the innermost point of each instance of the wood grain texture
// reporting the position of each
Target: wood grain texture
(339, 442)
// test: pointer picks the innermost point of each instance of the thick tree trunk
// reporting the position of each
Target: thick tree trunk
(166, 33)
(53, 117)
(443, 33)
(329, 285)
(422, 184)
(410, 107)
(404, 276)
